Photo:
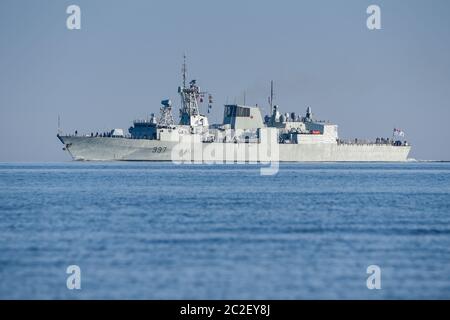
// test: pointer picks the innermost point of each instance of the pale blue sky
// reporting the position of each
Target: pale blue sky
(128, 54)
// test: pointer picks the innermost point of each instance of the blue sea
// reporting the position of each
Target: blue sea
(167, 231)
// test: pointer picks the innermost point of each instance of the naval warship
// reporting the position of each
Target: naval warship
(243, 136)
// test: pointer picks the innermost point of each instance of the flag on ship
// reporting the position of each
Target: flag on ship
(399, 132)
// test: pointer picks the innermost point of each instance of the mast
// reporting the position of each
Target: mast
(271, 97)
(191, 97)
(184, 70)
(271, 94)
(59, 125)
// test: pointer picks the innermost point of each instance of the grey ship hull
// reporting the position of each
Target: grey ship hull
(124, 149)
